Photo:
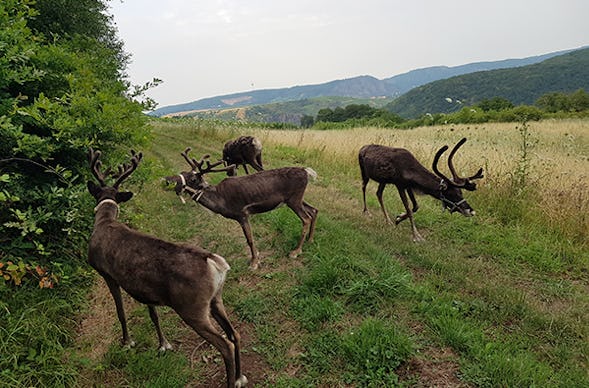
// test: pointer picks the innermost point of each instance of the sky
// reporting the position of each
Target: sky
(208, 48)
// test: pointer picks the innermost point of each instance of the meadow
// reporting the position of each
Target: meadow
(497, 300)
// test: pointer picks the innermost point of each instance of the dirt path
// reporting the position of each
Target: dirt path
(99, 328)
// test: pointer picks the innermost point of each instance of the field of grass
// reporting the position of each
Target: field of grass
(498, 300)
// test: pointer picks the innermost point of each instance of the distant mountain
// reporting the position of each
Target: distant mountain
(357, 87)
(521, 85)
(401, 84)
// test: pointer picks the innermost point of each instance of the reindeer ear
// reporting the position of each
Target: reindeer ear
(93, 188)
(123, 196)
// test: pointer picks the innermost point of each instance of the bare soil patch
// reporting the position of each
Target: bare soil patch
(434, 367)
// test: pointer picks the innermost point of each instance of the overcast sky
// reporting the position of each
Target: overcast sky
(207, 48)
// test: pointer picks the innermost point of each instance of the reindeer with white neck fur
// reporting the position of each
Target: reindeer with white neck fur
(237, 198)
(187, 278)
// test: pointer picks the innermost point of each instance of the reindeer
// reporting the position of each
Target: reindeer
(187, 278)
(237, 198)
(399, 167)
(243, 151)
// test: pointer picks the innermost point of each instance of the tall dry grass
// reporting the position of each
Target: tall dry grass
(537, 172)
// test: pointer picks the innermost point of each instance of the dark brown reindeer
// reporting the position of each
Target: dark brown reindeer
(400, 168)
(237, 198)
(187, 278)
(243, 151)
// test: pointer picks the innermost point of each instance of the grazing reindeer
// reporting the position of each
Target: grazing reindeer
(239, 197)
(243, 151)
(187, 278)
(399, 167)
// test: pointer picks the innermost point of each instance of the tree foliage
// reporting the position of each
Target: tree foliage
(358, 114)
(62, 90)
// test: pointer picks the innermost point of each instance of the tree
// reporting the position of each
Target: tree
(61, 92)
(579, 101)
(495, 104)
(307, 121)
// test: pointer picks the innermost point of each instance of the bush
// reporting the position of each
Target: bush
(58, 97)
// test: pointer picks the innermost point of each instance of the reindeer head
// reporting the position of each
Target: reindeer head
(102, 191)
(193, 180)
(451, 189)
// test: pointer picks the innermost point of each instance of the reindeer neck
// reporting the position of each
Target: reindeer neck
(106, 210)
(210, 198)
(429, 184)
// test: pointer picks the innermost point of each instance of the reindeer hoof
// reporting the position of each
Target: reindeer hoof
(418, 238)
(165, 346)
(294, 254)
(241, 381)
(128, 344)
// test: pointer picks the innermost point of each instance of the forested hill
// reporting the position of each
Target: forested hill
(401, 84)
(356, 87)
(522, 85)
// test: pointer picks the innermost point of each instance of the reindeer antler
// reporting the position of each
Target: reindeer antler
(193, 163)
(463, 182)
(457, 181)
(198, 165)
(95, 163)
(126, 169)
(456, 178)
(435, 164)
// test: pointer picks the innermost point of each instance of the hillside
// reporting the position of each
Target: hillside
(357, 87)
(403, 83)
(285, 112)
(522, 85)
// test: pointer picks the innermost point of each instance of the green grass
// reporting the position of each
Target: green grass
(505, 299)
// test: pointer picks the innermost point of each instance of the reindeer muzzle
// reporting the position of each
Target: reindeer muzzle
(461, 206)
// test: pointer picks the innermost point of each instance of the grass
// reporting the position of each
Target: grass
(501, 298)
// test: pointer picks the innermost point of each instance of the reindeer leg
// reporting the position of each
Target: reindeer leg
(312, 212)
(247, 231)
(412, 198)
(164, 344)
(307, 220)
(199, 320)
(115, 291)
(245, 168)
(364, 184)
(409, 214)
(379, 192)
(404, 216)
(258, 165)
(220, 315)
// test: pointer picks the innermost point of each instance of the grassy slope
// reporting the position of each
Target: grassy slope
(484, 302)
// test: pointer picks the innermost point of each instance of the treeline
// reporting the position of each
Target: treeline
(496, 109)
(62, 90)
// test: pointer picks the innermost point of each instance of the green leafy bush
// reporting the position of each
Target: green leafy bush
(58, 97)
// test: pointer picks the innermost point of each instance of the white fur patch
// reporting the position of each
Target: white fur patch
(241, 382)
(219, 268)
(108, 200)
(312, 173)
(257, 143)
